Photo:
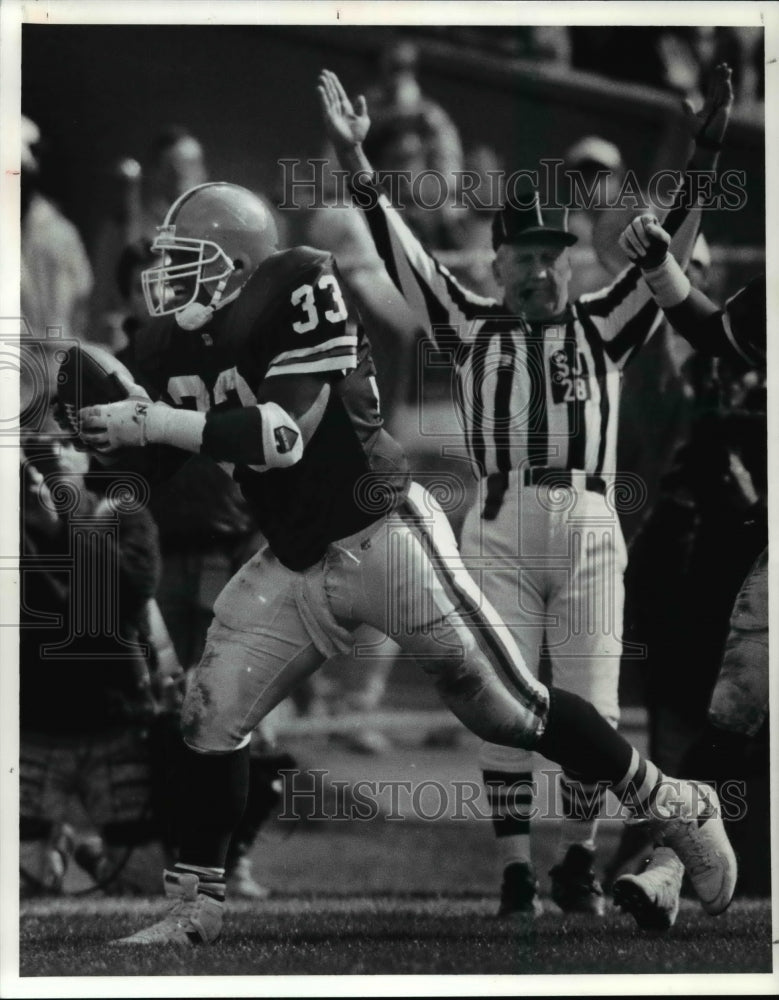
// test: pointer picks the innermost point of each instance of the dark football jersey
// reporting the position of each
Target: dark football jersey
(744, 323)
(290, 319)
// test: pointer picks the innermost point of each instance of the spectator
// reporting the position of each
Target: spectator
(85, 691)
(679, 59)
(687, 564)
(596, 166)
(397, 103)
(175, 163)
(469, 230)
(55, 276)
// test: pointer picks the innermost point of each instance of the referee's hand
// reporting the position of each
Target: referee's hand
(645, 242)
(346, 124)
(708, 126)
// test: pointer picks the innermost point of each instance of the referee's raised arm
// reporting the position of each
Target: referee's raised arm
(433, 293)
(625, 314)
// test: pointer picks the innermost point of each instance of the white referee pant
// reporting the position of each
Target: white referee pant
(552, 561)
(402, 575)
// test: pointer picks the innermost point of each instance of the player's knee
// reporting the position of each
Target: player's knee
(211, 736)
(448, 656)
(471, 687)
(208, 728)
(453, 678)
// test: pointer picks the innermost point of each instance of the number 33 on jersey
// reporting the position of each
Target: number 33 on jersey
(311, 333)
(306, 297)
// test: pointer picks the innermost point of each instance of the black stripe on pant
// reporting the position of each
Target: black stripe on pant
(484, 633)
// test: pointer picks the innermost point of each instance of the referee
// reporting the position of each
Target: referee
(537, 386)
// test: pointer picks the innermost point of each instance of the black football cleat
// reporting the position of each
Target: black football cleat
(574, 886)
(519, 892)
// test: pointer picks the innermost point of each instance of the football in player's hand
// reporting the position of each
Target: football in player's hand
(88, 376)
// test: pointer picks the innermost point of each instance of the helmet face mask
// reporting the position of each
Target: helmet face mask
(212, 240)
(187, 266)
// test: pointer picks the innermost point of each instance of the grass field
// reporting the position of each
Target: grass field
(392, 935)
(390, 897)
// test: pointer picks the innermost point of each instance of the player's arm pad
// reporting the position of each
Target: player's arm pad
(263, 436)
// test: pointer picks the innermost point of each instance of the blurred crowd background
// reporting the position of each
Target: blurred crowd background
(118, 121)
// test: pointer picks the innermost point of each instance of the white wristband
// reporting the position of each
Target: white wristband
(179, 428)
(668, 283)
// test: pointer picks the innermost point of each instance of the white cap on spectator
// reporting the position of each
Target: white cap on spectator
(594, 149)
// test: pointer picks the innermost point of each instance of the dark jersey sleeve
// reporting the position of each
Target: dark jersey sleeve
(299, 319)
(744, 323)
(736, 333)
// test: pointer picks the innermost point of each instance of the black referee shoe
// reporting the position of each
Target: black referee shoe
(519, 892)
(574, 886)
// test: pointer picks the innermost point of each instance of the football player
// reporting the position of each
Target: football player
(739, 702)
(253, 359)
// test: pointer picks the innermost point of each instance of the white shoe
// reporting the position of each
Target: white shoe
(242, 884)
(194, 918)
(652, 896)
(56, 859)
(687, 816)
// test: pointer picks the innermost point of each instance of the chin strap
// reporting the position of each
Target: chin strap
(193, 316)
(196, 315)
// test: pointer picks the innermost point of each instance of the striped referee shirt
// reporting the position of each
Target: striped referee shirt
(542, 395)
